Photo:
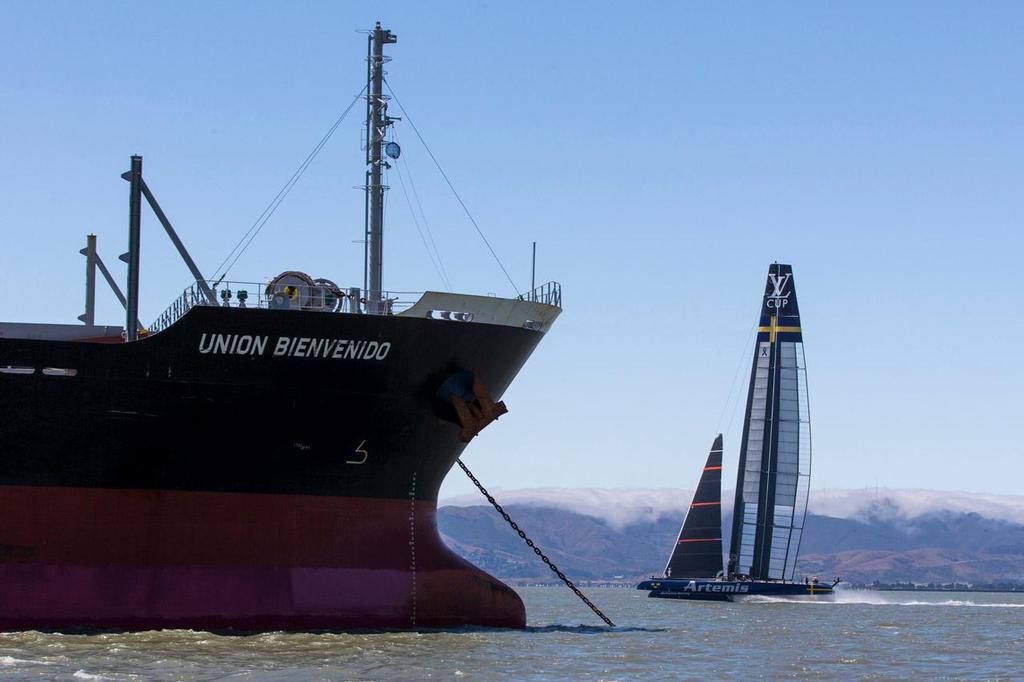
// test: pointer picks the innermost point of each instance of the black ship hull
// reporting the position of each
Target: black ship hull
(245, 469)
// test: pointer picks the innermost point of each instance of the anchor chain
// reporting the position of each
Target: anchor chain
(535, 548)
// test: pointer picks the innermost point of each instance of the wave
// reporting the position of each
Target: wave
(11, 660)
(82, 675)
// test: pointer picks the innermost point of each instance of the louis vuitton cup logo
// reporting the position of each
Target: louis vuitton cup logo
(779, 297)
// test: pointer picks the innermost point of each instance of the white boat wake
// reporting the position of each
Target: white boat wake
(878, 599)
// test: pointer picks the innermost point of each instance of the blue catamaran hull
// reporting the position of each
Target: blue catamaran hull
(729, 590)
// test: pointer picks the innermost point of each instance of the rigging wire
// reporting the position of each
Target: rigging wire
(732, 387)
(272, 207)
(458, 198)
(423, 217)
(437, 268)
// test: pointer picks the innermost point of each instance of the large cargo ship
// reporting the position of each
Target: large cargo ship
(264, 457)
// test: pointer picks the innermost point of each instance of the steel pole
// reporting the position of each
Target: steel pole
(134, 246)
(533, 274)
(182, 251)
(112, 282)
(366, 174)
(89, 252)
(375, 189)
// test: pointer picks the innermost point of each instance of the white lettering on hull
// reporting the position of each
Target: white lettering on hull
(293, 347)
(694, 586)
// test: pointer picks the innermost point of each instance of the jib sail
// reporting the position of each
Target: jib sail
(775, 453)
(698, 550)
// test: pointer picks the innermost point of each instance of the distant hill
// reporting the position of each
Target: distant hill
(882, 540)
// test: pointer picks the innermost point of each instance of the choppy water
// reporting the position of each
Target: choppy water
(871, 636)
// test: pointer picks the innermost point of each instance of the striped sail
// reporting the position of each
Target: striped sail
(698, 550)
(775, 453)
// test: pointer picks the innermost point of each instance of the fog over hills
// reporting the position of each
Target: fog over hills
(621, 507)
(861, 535)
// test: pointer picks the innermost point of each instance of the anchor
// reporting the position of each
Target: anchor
(473, 405)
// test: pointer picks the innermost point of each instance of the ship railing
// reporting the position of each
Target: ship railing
(549, 294)
(319, 298)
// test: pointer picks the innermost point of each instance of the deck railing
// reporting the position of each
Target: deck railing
(550, 294)
(326, 299)
(323, 298)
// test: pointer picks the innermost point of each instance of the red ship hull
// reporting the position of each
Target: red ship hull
(149, 559)
(162, 484)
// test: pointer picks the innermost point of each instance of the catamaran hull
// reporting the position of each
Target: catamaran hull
(732, 590)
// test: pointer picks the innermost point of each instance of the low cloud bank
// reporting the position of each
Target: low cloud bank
(912, 503)
(622, 507)
(618, 507)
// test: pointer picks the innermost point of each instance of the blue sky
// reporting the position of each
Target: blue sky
(661, 154)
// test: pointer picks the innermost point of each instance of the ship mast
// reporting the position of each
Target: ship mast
(377, 122)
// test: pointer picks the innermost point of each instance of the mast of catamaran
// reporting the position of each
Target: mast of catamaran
(377, 122)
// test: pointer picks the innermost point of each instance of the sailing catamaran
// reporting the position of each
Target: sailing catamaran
(772, 482)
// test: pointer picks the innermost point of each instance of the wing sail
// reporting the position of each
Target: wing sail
(698, 549)
(775, 453)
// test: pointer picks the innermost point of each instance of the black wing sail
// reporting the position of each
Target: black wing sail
(775, 454)
(698, 550)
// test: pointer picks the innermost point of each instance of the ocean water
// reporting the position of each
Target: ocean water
(860, 636)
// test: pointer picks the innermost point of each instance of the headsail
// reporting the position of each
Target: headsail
(698, 550)
(775, 454)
